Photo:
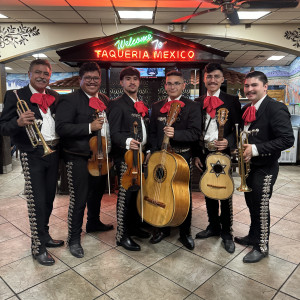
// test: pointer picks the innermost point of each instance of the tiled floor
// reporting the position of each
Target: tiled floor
(162, 271)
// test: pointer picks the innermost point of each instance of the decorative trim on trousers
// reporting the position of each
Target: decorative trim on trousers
(35, 241)
(69, 166)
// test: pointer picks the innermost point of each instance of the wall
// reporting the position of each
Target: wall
(289, 76)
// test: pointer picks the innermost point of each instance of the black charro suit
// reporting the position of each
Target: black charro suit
(73, 117)
(187, 130)
(40, 173)
(275, 135)
(223, 223)
(121, 117)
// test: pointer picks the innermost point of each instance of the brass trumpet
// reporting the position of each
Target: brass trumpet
(244, 167)
(33, 132)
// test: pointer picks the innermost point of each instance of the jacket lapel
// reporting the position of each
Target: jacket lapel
(33, 106)
(260, 111)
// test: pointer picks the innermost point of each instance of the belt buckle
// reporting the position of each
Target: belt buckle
(211, 146)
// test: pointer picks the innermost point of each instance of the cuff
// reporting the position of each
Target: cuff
(128, 143)
(254, 150)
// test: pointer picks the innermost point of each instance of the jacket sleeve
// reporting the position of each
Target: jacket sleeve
(235, 118)
(282, 131)
(9, 116)
(115, 117)
(66, 112)
(193, 131)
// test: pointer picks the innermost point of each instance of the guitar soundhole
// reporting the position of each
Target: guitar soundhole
(218, 169)
(160, 173)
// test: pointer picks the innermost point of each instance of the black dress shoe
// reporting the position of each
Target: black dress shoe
(254, 256)
(204, 234)
(243, 240)
(187, 241)
(44, 259)
(129, 244)
(138, 232)
(54, 243)
(158, 236)
(229, 246)
(98, 227)
(76, 250)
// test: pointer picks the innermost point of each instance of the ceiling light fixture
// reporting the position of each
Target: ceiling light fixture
(39, 55)
(8, 68)
(136, 14)
(276, 57)
(3, 17)
(251, 15)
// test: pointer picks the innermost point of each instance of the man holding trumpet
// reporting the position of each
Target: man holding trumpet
(271, 121)
(24, 110)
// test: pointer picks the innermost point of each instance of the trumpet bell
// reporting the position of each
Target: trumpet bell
(47, 150)
(244, 189)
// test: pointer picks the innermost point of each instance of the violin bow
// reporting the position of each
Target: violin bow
(106, 148)
(141, 183)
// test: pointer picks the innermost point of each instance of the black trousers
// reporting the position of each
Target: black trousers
(40, 175)
(77, 174)
(127, 215)
(219, 212)
(97, 186)
(261, 180)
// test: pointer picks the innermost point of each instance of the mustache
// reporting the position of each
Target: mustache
(42, 80)
(251, 93)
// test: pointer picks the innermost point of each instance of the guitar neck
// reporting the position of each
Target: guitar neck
(165, 143)
(221, 133)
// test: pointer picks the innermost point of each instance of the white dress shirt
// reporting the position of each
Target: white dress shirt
(48, 126)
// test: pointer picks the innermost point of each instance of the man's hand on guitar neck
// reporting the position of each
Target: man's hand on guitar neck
(169, 131)
(198, 163)
(221, 145)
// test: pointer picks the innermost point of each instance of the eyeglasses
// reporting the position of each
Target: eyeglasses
(169, 84)
(213, 76)
(89, 79)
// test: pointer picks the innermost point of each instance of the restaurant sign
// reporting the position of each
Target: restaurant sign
(142, 44)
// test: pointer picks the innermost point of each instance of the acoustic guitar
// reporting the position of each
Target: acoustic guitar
(216, 182)
(166, 195)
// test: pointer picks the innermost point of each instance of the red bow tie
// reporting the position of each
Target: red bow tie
(96, 103)
(210, 104)
(167, 106)
(42, 100)
(141, 108)
(249, 114)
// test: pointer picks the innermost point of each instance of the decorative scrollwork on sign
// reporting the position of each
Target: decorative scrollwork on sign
(294, 36)
(18, 35)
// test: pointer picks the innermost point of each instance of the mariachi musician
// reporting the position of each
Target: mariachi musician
(40, 171)
(182, 134)
(76, 123)
(124, 112)
(210, 104)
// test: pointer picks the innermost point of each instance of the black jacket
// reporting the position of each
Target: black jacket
(234, 116)
(121, 116)
(9, 116)
(73, 116)
(187, 128)
(275, 131)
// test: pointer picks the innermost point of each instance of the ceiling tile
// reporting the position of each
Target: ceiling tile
(97, 14)
(89, 3)
(74, 20)
(59, 14)
(24, 14)
(282, 16)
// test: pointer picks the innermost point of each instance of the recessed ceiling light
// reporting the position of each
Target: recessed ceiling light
(8, 68)
(136, 14)
(276, 57)
(208, 45)
(3, 17)
(251, 15)
(39, 55)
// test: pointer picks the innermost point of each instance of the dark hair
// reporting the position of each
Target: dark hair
(174, 73)
(260, 75)
(39, 61)
(89, 67)
(130, 71)
(213, 67)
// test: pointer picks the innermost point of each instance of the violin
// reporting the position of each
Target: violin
(99, 163)
(131, 179)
